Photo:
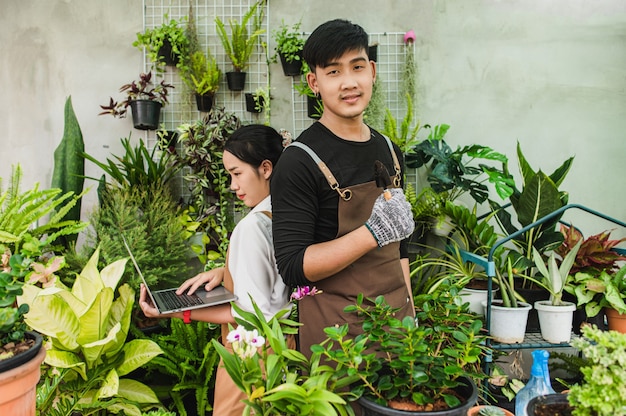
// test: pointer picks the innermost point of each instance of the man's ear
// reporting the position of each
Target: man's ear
(311, 79)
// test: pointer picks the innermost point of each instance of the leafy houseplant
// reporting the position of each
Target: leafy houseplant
(87, 326)
(145, 100)
(188, 361)
(241, 42)
(202, 76)
(601, 392)
(289, 43)
(202, 145)
(606, 290)
(165, 44)
(279, 380)
(416, 365)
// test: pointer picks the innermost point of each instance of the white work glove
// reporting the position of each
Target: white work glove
(391, 220)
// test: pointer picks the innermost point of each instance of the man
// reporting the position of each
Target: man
(332, 226)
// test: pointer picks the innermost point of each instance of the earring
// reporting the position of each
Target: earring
(318, 95)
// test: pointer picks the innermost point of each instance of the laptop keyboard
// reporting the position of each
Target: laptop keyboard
(174, 301)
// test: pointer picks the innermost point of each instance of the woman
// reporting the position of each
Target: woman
(250, 155)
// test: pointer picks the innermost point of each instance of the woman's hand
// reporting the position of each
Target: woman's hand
(146, 304)
(210, 279)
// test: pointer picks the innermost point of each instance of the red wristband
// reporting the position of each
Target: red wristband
(187, 317)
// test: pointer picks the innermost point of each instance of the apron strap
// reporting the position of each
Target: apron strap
(396, 163)
(330, 178)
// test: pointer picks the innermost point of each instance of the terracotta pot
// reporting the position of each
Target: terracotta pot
(18, 385)
(474, 410)
(616, 321)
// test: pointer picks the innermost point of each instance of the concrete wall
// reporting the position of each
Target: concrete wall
(549, 74)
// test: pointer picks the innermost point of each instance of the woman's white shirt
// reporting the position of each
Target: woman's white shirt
(252, 264)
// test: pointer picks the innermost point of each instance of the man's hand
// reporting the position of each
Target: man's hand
(391, 220)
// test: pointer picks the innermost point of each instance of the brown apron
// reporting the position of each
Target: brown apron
(228, 397)
(376, 273)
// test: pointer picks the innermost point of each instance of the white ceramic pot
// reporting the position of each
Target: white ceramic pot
(555, 322)
(475, 297)
(508, 325)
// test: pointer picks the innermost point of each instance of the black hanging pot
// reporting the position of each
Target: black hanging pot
(292, 68)
(372, 52)
(251, 105)
(204, 102)
(165, 51)
(146, 114)
(236, 80)
(314, 107)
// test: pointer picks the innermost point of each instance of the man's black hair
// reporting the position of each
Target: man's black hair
(331, 40)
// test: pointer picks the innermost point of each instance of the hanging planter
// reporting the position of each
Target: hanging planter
(314, 107)
(251, 103)
(290, 68)
(167, 54)
(204, 102)
(236, 80)
(372, 52)
(145, 114)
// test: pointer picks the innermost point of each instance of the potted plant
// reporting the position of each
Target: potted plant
(202, 143)
(606, 291)
(600, 393)
(421, 368)
(241, 43)
(597, 253)
(315, 107)
(536, 198)
(555, 314)
(258, 101)
(21, 352)
(88, 326)
(144, 99)
(278, 379)
(202, 76)
(164, 44)
(289, 43)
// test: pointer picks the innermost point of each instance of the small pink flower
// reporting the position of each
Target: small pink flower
(302, 291)
(409, 37)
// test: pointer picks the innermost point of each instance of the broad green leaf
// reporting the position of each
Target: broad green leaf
(66, 359)
(136, 391)
(94, 320)
(110, 385)
(136, 353)
(112, 273)
(93, 351)
(51, 315)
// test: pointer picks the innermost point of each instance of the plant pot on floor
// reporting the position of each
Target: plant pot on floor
(555, 322)
(508, 325)
(18, 380)
(549, 405)
(236, 80)
(468, 391)
(146, 114)
(293, 68)
(615, 320)
(204, 102)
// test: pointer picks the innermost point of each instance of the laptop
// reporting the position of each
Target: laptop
(167, 301)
